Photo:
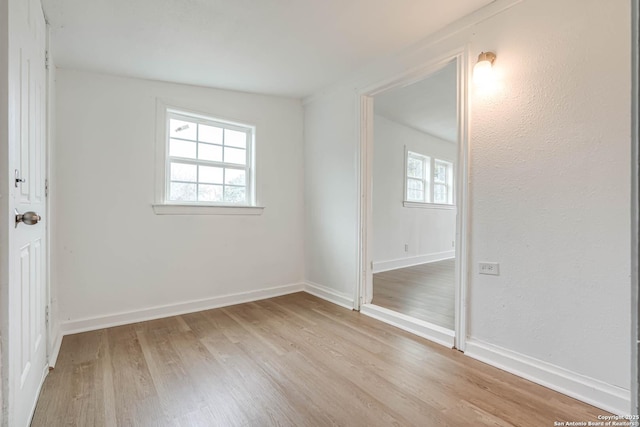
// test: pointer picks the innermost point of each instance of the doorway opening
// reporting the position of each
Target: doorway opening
(414, 201)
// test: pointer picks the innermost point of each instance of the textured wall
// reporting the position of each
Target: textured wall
(550, 186)
(549, 181)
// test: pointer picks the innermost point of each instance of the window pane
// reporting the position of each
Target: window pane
(415, 168)
(235, 194)
(210, 193)
(414, 184)
(210, 175)
(440, 194)
(415, 196)
(182, 129)
(183, 192)
(210, 134)
(235, 138)
(183, 172)
(234, 155)
(440, 174)
(210, 152)
(184, 149)
(234, 176)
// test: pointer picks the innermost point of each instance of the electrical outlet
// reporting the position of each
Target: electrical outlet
(492, 268)
(406, 248)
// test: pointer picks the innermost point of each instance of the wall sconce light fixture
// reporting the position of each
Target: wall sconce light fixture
(482, 69)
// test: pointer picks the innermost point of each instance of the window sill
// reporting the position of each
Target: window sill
(170, 209)
(427, 205)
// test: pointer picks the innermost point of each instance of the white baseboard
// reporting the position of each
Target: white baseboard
(427, 330)
(328, 294)
(55, 349)
(151, 313)
(379, 267)
(589, 390)
(594, 392)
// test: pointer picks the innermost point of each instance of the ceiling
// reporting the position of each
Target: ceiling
(429, 105)
(284, 47)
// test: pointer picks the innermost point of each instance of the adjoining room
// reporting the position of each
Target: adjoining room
(415, 172)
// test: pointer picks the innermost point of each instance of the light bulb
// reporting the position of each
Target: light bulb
(482, 73)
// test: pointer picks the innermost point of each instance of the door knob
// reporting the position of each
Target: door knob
(29, 218)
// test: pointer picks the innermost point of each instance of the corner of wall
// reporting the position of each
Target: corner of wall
(329, 294)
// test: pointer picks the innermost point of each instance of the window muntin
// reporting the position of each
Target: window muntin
(428, 180)
(209, 162)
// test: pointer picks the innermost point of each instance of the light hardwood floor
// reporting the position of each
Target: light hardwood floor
(294, 361)
(425, 291)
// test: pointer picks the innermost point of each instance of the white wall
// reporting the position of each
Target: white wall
(549, 181)
(550, 184)
(112, 254)
(331, 209)
(428, 232)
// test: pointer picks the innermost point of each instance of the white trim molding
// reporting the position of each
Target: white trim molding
(423, 205)
(158, 312)
(379, 267)
(329, 294)
(435, 333)
(589, 390)
(175, 209)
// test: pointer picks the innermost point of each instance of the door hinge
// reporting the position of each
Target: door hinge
(46, 59)
(46, 187)
(46, 315)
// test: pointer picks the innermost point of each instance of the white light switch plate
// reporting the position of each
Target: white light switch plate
(492, 268)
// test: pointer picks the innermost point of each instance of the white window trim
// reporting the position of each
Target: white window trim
(176, 209)
(162, 206)
(427, 205)
(423, 205)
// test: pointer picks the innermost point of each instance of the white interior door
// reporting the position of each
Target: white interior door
(27, 138)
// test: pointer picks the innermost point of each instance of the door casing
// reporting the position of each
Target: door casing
(364, 103)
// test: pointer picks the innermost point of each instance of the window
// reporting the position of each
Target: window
(208, 161)
(428, 180)
(442, 182)
(418, 177)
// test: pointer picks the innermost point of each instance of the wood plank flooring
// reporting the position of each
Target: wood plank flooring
(294, 360)
(425, 291)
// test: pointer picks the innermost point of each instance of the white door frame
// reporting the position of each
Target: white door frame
(53, 344)
(365, 114)
(5, 216)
